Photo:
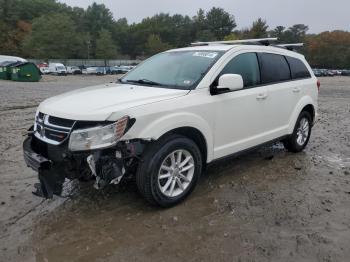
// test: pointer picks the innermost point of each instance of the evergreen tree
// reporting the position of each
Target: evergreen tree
(259, 29)
(220, 23)
(105, 47)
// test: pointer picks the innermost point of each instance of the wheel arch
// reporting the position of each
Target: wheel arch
(305, 104)
(310, 109)
(195, 135)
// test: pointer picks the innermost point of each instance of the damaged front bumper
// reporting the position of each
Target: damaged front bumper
(50, 183)
(56, 163)
(33, 160)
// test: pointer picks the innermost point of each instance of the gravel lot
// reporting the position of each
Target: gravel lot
(266, 205)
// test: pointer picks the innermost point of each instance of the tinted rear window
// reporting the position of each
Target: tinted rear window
(298, 68)
(274, 68)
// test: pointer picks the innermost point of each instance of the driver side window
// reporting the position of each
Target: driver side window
(247, 66)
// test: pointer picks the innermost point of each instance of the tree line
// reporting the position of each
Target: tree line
(47, 29)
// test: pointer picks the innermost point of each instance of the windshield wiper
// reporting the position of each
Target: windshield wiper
(145, 81)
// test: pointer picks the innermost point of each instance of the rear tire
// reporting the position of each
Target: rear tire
(169, 170)
(297, 141)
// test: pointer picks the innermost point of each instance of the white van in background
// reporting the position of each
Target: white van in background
(57, 69)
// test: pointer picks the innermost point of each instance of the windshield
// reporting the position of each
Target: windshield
(61, 68)
(177, 69)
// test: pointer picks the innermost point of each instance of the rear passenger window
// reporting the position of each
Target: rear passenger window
(297, 68)
(245, 65)
(274, 68)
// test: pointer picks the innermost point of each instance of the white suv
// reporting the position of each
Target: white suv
(170, 116)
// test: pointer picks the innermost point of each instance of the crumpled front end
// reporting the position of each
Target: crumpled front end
(47, 151)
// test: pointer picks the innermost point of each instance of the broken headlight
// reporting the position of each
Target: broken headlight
(98, 137)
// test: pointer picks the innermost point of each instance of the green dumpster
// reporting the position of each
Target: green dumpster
(25, 72)
(3, 72)
(5, 69)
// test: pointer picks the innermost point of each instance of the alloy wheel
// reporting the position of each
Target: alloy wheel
(303, 131)
(176, 173)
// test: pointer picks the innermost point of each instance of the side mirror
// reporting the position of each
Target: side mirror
(230, 82)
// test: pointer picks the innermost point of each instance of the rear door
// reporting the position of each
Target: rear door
(276, 75)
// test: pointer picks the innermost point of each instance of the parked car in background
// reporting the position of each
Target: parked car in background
(129, 68)
(331, 73)
(101, 70)
(95, 70)
(44, 70)
(122, 69)
(89, 70)
(57, 69)
(74, 70)
(108, 70)
(339, 72)
(324, 72)
(345, 73)
(317, 72)
(116, 70)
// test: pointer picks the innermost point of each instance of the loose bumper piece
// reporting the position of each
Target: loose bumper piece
(50, 182)
(33, 160)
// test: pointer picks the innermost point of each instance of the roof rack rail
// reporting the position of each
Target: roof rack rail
(261, 41)
(290, 47)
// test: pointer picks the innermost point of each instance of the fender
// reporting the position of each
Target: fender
(304, 101)
(160, 126)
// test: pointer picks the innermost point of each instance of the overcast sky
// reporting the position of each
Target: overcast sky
(319, 15)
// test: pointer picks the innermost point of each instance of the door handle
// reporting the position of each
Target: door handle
(296, 90)
(261, 97)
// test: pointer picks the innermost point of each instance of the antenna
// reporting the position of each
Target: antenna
(261, 41)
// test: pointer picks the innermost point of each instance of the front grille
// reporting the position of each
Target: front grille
(61, 121)
(52, 130)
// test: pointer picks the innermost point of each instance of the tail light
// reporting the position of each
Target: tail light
(318, 85)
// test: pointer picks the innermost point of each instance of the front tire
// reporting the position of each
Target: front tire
(297, 141)
(169, 170)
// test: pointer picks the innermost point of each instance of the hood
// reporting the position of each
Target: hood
(97, 103)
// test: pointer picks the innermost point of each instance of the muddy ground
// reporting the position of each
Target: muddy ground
(266, 205)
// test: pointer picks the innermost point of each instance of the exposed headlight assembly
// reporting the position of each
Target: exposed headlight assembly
(98, 137)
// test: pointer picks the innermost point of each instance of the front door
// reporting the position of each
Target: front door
(240, 115)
